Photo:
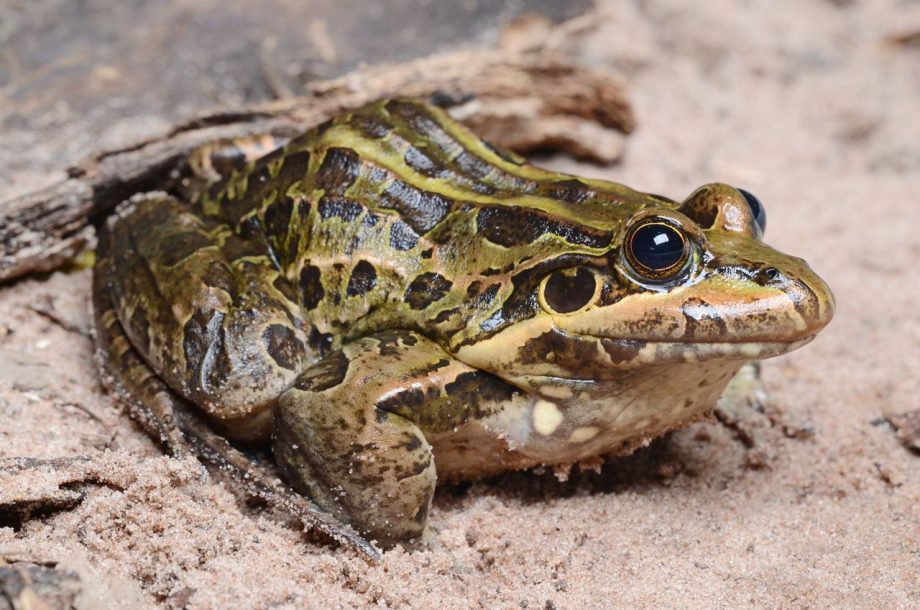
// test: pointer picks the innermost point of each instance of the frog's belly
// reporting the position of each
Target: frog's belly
(602, 419)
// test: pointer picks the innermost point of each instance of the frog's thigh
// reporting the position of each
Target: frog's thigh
(338, 440)
(206, 311)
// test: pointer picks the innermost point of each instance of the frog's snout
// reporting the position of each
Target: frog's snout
(808, 295)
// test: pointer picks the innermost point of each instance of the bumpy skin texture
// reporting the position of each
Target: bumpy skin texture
(394, 302)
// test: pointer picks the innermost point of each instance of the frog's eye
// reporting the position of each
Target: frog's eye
(568, 290)
(757, 210)
(656, 250)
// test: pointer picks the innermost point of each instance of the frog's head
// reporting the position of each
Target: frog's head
(681, 282)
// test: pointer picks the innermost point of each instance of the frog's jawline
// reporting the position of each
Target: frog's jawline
(660, 353)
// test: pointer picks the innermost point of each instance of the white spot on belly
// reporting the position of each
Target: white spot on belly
(580, 435)
(546, 417)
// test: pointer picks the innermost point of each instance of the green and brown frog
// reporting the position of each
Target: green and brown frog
(388, 301)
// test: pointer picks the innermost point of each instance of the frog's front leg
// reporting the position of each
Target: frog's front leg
(746, 408)
(351, 433)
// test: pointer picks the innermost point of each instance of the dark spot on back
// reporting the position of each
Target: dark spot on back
(411, 443)
(421, 162)
(258, 183)
(363, 278)
(303, 208)
(515, 226)
(339, 207)
(339, 170)
(426, 289)
(284, 287)
(311, 287)
(283, 346)
(421, 210)
(369, 126)
(402, 237)
(278, 218)
(570, 191)
(294, 168)
(227, 159)
(472, 165)
(219, 275)
(415, 116)
(318, 341)
(445, 315)
(488, 295)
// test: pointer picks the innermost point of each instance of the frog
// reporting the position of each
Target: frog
(387, 303)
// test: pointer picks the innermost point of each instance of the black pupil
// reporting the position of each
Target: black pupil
(657, 246)
(757, 210)
(566, 292)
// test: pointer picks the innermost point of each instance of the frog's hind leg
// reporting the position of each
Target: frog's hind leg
(123, 373)
(747, 409)
(352, 433)
(167, 418)
(215, 161)
(208, 309)
(182, 432)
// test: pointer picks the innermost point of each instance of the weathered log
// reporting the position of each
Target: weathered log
(524, 103)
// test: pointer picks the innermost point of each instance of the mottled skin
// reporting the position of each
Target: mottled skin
(376, 298)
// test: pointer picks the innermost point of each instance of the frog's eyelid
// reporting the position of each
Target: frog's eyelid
(758, 211)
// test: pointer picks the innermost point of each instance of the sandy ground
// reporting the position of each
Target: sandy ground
(802, 102)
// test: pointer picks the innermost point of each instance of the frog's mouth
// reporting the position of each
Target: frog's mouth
(626, 352)
(597, 359)
(544, 350)
(635, 356)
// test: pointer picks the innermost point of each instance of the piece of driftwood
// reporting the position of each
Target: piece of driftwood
(524, 103)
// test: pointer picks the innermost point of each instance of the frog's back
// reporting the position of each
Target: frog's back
(396, 216)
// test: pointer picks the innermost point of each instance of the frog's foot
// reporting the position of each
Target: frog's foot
(218, 160)
(215, 450)
(746, 409)
(349, 434)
